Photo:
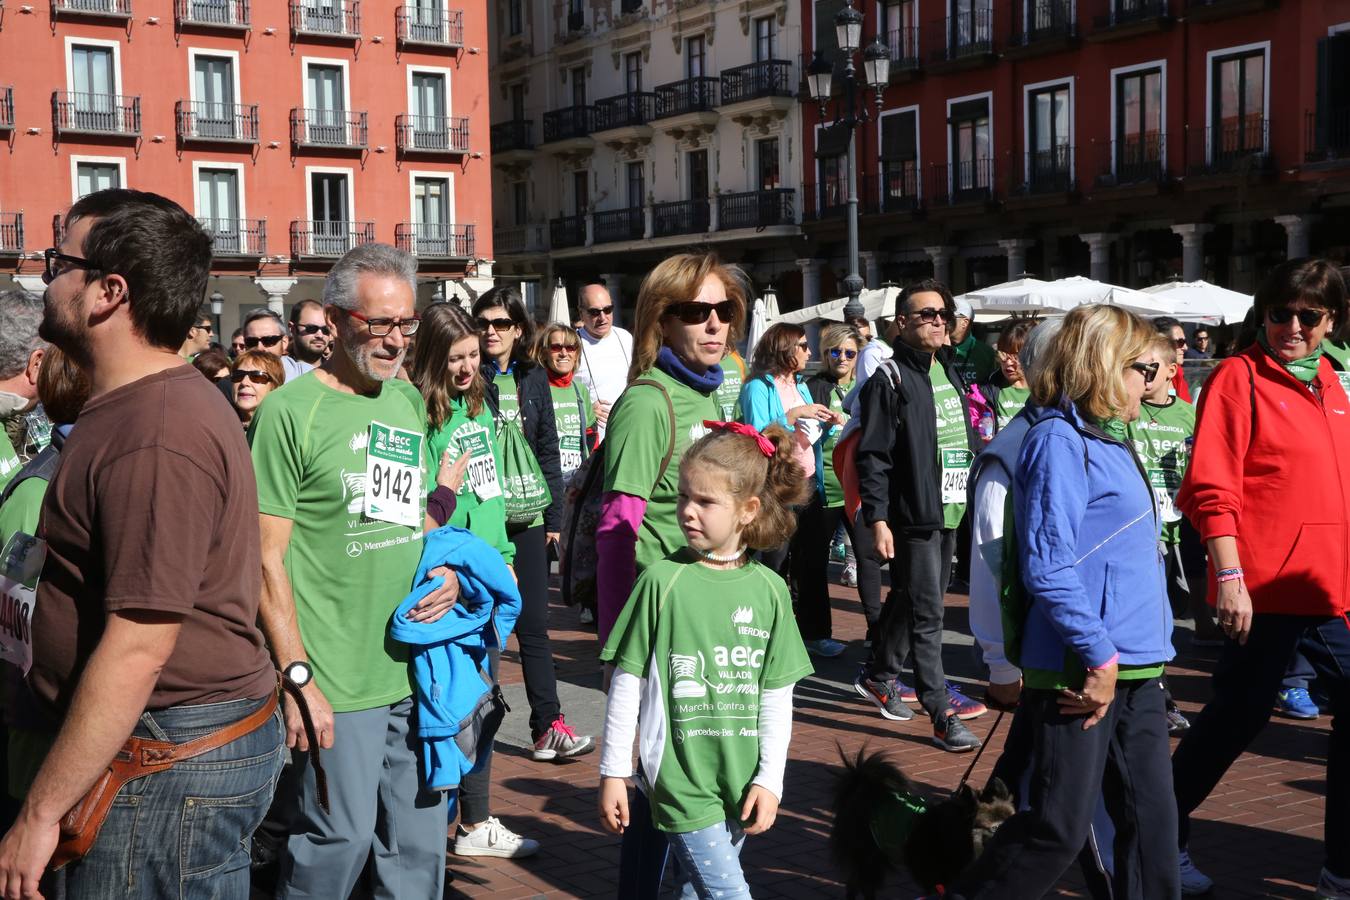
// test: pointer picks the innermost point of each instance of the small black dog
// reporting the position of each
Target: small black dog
(881, 823)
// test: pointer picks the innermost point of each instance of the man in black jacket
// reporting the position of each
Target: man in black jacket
(913, 458)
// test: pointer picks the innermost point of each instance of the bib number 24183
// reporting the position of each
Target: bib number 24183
(394, 475)
(955, 474)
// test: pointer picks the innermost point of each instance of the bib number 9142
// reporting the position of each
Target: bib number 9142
(394, 475)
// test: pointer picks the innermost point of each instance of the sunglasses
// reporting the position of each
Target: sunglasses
(1179, 343)
(381, 326)
(596, 312)
(803, 345)
(267, 340)
(695, 313)
(562, 348)
(313, 329)
(206, 328)
(257, 376)
(846, 354)
(499, 325)
(1308, 318)
(1148, 370)
(50, 272)
(932, 314)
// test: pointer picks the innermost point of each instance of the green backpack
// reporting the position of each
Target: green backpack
(524, 488)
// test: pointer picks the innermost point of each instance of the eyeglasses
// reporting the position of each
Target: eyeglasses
(203, 327)
(498, 325)
(383, 325)
(312, 329)
(1202, 339)
(562, 348)
(50, 273)
(694, 313)
(803, 345)
(932, 314)
(257, 376)
(1148, 370)
(267, 340)
(1308, 318)
(1179, 343)
(596, 312)
(837, 352)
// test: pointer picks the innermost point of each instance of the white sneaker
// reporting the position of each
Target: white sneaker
(492, 838)
(849, 578)
(1329, 887)
(1193, 881)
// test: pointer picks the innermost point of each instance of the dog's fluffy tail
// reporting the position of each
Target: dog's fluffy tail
(866, 777)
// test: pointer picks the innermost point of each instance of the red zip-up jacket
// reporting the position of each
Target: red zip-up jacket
(1271, 466)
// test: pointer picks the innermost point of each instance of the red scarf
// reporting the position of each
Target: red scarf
(1179, 384)
(561, 381)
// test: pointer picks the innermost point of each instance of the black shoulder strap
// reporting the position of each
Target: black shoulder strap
(41, 466)
(581, 410)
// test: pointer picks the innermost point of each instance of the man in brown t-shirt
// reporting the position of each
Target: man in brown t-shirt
(145, 616)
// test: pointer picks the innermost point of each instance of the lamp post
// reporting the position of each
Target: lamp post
(217, 307)
(850, 111)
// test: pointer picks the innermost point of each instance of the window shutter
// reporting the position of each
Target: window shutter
(898, 136)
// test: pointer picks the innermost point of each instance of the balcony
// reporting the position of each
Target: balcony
(324, 239)
(237, 238)
(1135, 161)
(512, 145)
(430, 27)
(1045, 173)
(567, 231)
(618, 225)
(216, 123)
(625, 118)
(6, 108)
(1327, 136)
(103, 9)
(105, 114)
(687, 106)
(569, 129)
(826, 200)
(11, 233)
(334, 19)
(225, 15)
(963, 183)
(906, 63)
(1119, 19)
(1237, 149)
(514, 239)
(680, 217)
(760, 89)
(435, 240)
(334, 129)
(432, 135)
(1042, 26)
(756, 209)
(1212, 10)
(898, 190)
(576, 21)
(963, 41)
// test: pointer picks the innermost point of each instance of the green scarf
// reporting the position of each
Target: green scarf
(1115, 429)
(1304, 369)
(963, 349)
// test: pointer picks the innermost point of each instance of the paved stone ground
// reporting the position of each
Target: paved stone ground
(1259, 835)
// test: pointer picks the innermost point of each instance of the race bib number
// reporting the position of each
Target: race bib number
(23, 558)
(955, 474)
(394, 475)
(1166, 483)
(482, 473)
(569, 453)
(1345, 381)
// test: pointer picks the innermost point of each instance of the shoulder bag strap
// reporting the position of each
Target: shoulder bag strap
(670, 409)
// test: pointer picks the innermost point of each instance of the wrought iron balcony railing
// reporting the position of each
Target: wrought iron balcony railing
(435, 240)
(569, 122)
(224, 122)
(769, 78)
(1134, 159)
(625, 110)
(237, 237)
(507, 136)
(83, 113)
(1327, 135)
(1042, 20)
(680, 217)
(326, 18)
(567, 231)
(430, 26)
(232, 14)
(6, 107)
(117, 9)
(1048, 171)
(967, 35)
(328, 128)
(1119, 13)
(432, 134)
(11, 232)
(690, 95)
(1233, 147)
(618, 225)
(904, 46)
(966, 181)
(324, 238)
(756, 209)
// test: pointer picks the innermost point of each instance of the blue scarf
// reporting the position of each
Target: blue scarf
(706, 383)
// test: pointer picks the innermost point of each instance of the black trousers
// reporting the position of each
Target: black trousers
(1123, 760)
(804, 563)
(869, 571)
(475, 789)
(536, 653)
(1244, 686)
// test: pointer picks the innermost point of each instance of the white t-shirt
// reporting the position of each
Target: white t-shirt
(294, 368)
(603, 364)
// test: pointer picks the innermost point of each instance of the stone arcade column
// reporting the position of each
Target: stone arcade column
(275, 289)
(870, 261)
(942, 262)
(1192, 250)
(1016, 250)
(810, 281)
(1099, 253)
(1296, 235)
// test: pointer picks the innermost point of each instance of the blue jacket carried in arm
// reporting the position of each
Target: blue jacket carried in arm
(458, 703)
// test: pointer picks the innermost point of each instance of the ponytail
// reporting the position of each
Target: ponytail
(777, 480)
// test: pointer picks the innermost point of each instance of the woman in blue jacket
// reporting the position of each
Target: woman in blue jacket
(775, 394)
(1095, 627)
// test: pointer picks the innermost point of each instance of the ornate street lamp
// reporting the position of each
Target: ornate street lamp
(217, 307)
(850, 111)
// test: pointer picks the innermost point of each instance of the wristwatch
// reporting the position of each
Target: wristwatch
(298, 673)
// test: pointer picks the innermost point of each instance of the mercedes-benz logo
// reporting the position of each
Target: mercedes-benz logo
(354, 549)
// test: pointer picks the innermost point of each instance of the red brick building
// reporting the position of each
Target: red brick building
(1132, 140)
(293, 130)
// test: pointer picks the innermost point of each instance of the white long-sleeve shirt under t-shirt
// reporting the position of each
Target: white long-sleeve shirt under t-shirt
(986, 572)
(602, 365)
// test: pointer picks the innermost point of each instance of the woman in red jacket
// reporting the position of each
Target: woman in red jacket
(1268, 488)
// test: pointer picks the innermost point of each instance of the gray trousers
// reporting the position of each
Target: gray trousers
(380, 811)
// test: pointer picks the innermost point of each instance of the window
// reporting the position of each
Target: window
(94, 85)
(695, 57)
(766, 164)
(578, 79)
(637, 189)
(698, 175)
(218, 208)
(213, 96)
(520, 201)
(1238, 104)
(1139, 123)
(971, 26)
(515, 17)
(1332, 116)
(900, 29)
(330, 213)
(632, 72)
(426, 21)
(96, 176)
(899, 156)
(428, 114)
(766, 39)
(1048, 137)
(517, 102)
(431, 217)
(580, 192)
(832, 185)
(825, 40)
(971, 146)
(327, 118)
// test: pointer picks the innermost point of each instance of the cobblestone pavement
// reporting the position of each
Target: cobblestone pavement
(1259, 835)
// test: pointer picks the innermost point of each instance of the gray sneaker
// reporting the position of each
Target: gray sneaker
(561, 743)
(952, 735)
(883, 694)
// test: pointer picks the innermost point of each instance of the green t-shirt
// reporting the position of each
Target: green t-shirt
(9, 460)
(1161, 436)
(708, 642)
(508, 394)
(954, 454)
(636, 441)
(1009, 403)
(834, 491)
(479, 506)
(20, 511)
(975, 361)
(348, 572)
(1340, 361)
(729, 392)
(573, 414)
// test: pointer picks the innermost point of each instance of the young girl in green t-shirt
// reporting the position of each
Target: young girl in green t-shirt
(706, 653)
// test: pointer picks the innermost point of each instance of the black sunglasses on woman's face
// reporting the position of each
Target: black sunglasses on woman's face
(695, 313)
(1308, 318)
(1148, 370)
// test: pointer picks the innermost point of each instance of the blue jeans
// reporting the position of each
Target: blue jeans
(184, 833)
(710, 862)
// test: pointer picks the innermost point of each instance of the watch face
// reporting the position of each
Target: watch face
(299, 674)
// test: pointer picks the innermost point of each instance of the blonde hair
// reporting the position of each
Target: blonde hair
(1086, 361)
(776, 480)
(677, 279)
(1165, 348)
(832, 336)
(542, 336)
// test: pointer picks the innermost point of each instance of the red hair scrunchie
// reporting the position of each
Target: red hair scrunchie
(765, 445)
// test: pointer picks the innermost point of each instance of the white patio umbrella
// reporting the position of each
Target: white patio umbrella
(1033, 296)
(876, 303)
(759, 323)
(1200, 301)
(557, 308)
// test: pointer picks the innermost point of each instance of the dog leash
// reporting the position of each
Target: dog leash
(980, 752)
